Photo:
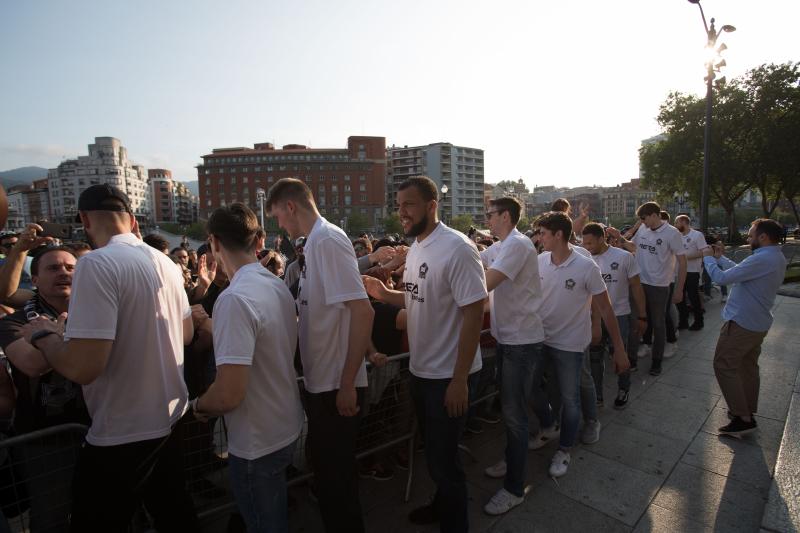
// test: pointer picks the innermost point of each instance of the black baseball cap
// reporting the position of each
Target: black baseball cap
(101, 198)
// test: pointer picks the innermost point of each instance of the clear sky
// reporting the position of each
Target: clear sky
(558, 92)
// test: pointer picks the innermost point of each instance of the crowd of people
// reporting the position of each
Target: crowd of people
(137, 339)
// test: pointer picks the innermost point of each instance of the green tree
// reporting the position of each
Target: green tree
(391, 224)
(753, 142)
(357, 224)
(462, 223)
(524, 224)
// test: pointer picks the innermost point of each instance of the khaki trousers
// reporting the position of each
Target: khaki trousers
(736, 367)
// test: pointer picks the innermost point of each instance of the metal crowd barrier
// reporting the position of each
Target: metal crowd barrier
(36, 468)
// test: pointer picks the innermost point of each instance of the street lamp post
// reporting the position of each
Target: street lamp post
(261, 196)
(712, 66)
(680, 199)
(444, 190)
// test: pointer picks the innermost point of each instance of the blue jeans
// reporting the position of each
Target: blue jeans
(567, 367)
(515, 368)
(597, 355)
(589, 393)
(441, 434)
(259, 487)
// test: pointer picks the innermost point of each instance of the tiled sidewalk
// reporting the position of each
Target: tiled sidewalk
(659, 465)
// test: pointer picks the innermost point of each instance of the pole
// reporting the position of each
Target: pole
(707, 151)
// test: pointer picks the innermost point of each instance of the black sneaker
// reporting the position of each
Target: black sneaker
(428, 514)
(621, 400)
(696, 326)
(473, 426)
(655, 369)
(738, 427)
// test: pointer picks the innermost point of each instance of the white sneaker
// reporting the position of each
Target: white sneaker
(591, 432)
(496, 471)
(502, 502)
(544, 437)
(670, 349)
(644, 351)
(559, 464)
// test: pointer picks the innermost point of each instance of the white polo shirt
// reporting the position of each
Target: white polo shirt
(567, 291)
(655, 253)
(617, 267)
(515, 302)
(329, 279)
(132, 294)
(255, 325)
(443, 273)
(693, 242)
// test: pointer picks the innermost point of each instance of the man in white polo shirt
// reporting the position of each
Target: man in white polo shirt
(694, 242)
(129, 319)
(658, 246)
(255, 335)
(621, 275)
(335, 329)
(571, 286)
(443, 290)
(512, 278)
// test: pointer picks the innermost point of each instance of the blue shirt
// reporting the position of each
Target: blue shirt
(755, 282)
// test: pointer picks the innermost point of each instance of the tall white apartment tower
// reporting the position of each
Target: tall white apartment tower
(457, 167)
(107, 162)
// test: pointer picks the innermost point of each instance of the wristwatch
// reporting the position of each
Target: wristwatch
(42, 333)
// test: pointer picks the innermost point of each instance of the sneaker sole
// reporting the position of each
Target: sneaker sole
(498, 513)
(738, 434)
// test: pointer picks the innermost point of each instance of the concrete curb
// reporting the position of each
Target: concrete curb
(782, 513)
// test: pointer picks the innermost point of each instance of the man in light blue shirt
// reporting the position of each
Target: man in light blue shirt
(748, 317)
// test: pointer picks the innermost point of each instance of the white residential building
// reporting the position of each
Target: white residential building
(30, 202)
(107, 162)
(458, 167)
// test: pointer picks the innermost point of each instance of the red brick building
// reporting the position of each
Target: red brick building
(345, 181)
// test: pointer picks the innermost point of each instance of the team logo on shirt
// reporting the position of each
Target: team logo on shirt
(614, 266)
(659, 241)
(423, 270)
(413, 289)
(569, 284)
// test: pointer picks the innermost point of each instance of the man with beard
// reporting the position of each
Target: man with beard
(128, 321)
(335, 327)
(45, 398)
(748, 317)
(443, 290)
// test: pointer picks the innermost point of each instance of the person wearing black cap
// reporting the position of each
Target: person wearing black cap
(128, 321)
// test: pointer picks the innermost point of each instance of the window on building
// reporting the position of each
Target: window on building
(334, 188)
(233, 170)
(362, 187)
(244, 179)
(347, 187)
(362, 178)
(363, 197)
(346, 177)
(348, 199)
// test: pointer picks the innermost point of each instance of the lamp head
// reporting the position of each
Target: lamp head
(694, 1)
(728, 28)
(444, 189)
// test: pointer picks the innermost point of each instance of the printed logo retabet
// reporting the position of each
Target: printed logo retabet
(652, 249)
(569, 284)
(423, 270)
(413, 289)
(659, 241)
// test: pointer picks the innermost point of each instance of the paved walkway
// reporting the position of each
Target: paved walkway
(659, 465)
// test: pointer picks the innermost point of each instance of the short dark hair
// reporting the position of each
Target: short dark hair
(386, 241)
(555, 221)
(665, 216)
(560, 205)
(289, 189)
(178, 249)
(423, 184)
(79, 246)
(46, 250)
(156, 241)
(594, 228)
(770, 228)
(235, 225)
(509, 204)
(647, 209)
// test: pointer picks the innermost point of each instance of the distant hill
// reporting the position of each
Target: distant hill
(21, 176)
